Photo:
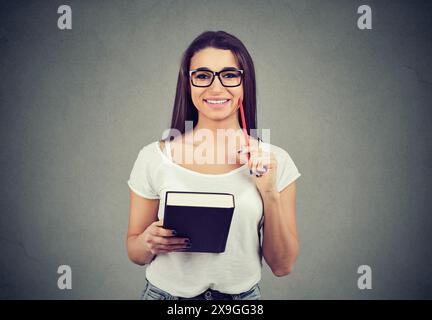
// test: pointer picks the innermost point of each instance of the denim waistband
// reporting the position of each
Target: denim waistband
(209, 294)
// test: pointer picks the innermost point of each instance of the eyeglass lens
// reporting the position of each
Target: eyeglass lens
(228, 78)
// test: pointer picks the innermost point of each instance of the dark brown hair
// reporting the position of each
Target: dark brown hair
(184, 109)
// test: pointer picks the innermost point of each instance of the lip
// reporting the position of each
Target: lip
(217, 106)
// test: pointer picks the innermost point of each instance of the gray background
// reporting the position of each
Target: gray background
(351, 107)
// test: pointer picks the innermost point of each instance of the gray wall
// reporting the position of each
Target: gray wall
(351, 107)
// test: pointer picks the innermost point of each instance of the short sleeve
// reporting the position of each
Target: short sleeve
(287, 171)
(140, 180)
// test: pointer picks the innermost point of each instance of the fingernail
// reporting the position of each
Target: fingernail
(174, 232)
(258, 175)
(250, 172)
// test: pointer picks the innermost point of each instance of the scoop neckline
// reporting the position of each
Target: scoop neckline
(163, 155)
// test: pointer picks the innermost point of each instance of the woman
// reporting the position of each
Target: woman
(216, 71)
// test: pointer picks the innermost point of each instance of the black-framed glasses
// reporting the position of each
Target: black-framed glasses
(203, 77)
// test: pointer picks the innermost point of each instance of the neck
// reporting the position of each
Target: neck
(206, 126)
(212, 125)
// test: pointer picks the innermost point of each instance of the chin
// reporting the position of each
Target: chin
(219, 114)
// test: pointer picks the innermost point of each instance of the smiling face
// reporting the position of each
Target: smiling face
(207, 100)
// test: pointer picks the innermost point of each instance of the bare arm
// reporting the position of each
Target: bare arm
(142, 213)
(146, 236)
(280, 245)
(280, 241)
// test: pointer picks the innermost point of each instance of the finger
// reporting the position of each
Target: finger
(162, 232)
(253, 164)
(160, 251)
(252, 147)
(247, 153)
(159, 230)
(170, 247)
(168, 241)
(264, 164)
(158, 223)
(254, 143)
(258, 168)
(262, 170)
(249, 149)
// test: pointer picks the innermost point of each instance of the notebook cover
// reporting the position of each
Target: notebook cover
(206, 227)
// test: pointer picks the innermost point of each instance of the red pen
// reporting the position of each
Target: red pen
(244, 125)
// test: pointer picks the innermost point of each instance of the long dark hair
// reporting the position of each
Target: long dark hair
(184, 109)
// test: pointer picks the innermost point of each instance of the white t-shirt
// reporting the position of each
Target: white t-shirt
(238, 269)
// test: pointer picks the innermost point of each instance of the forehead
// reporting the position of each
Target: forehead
(214, 59)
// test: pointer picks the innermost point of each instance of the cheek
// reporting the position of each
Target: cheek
(196, 96)
(239, 91)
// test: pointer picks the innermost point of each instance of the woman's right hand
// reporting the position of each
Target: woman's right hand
(161, 240)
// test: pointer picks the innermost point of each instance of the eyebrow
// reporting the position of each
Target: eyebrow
(224, 69)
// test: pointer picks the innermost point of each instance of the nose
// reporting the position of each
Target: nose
(217, 84)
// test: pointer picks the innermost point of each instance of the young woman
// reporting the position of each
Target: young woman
(216, 71)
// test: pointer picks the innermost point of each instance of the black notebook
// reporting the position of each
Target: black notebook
(203, 217)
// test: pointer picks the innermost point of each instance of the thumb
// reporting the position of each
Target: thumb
(159, 223)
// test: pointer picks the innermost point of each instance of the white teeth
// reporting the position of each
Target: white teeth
(216, 101)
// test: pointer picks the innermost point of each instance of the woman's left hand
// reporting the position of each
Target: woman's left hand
(263, 165)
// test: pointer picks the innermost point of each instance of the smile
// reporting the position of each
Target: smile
(217, 103)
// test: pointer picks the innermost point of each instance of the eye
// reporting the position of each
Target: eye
(202, 76)
(231, 75)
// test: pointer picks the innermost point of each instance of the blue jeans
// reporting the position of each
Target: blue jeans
(151, 292)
